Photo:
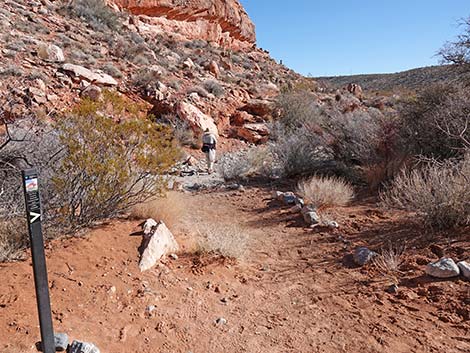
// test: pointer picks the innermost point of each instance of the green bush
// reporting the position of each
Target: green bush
(108, 166)
(95, 12)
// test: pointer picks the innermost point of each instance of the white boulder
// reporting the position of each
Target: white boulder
(161, 243)
(464, 268)
(444, 268)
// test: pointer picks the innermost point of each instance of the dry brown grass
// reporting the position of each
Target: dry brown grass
(169, 209)
(229, 240)
(389, 260)
(324, 192)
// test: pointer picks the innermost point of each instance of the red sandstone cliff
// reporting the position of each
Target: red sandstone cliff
(222, 21)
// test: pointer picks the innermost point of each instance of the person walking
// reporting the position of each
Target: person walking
(209, 144)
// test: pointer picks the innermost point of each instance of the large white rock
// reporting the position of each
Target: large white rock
(50, 52)
(147, 227)
(464, 268)
(444, 268)
(93, 77)
(161, 243)
(197, 119)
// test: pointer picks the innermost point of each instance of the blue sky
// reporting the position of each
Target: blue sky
(344, 37)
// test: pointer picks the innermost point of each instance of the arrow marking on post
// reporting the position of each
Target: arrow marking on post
(34, 216)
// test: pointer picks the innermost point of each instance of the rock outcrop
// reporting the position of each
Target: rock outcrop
(222, 21)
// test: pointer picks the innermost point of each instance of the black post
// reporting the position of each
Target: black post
(33, 215)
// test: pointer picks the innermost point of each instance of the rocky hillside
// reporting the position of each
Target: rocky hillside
(223, 22)
(406, 80)
(205, 71)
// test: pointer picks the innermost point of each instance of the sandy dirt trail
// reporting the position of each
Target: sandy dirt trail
(294, 291)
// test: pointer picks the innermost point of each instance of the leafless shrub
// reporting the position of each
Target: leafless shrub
(229, 240)
(95, 12)
(256, 161)
(214, 87)
(112, 70)
(326, 191)
(458, 51)
(201, 91)
(436, 123)
(438, 192)
(169, 209)
(13, 238)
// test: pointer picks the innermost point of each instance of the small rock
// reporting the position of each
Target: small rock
(393, 289)
(289, 198)
(92, 92)
(363, 255)
(50, 52)
(150, 308)
(296, 209)
(444, 268)
(220, 321)
(173, 256)
(189, 64)
(61, 341)
(277, 195)
(311, 218)
(332, 224)
(83, 347)
(464, 268)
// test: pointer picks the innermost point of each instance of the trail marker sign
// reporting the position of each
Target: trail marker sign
(33, 215)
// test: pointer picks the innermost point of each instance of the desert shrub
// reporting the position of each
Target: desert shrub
(196, 44)
(253, 162)
(458, 51)
(95, 12)
(438, 192)
(108, 166)
(11, 70)
(13, 238)
(170, 209)
(389, 260)
(182, 131)
(112, 70)
(435, 123)
(214, 87)
(324, 191)
(229, 240)
(201, 91)
(147, 76)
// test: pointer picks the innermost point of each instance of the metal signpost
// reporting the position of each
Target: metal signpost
(33, 215)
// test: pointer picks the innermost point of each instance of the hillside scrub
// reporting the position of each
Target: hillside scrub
(436, 122)
(439, 192)
(112, 166)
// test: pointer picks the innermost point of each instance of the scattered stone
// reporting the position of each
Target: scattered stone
(288, 198)
(148, 226)
(259, 107)
(332, 224)
(50, 52)
(61, 341)
(161, 243)
(393, 289)
(355, 89)
(189, 64)
(82, 347)
(149, 309)
(363, 255)
(92, 92)
(311, 218)
(296, 209)
(173, 256)
(277, 195)
(214, 69)
(221, 321)
(464, 268)
(444, 268)
(91, 76)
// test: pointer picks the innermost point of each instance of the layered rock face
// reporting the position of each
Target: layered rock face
(221, 21)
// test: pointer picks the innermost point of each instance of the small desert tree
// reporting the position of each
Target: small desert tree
(109, 166)
(458, 51)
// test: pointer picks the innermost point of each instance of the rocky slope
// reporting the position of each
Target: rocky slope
(223, 22)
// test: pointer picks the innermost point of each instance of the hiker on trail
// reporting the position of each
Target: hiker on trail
(209, 142)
